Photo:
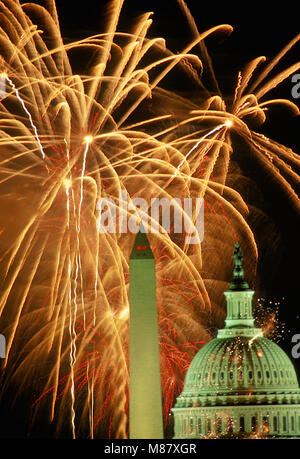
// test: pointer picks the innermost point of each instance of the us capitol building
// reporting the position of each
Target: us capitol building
(240, 384)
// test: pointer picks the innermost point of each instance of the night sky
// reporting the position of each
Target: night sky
(256, 32)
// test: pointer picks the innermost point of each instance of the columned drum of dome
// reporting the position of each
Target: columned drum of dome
(240, 384)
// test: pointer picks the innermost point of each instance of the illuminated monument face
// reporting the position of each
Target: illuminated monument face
(240, 384)
(145, 403)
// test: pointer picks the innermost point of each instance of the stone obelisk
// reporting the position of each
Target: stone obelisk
(145, 403)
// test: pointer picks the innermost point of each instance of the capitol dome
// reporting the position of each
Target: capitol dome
(240, 383)
(230, 365)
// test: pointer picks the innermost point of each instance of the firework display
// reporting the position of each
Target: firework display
(88, 130)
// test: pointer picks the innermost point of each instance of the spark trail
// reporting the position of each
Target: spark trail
(27, 113)
(213, 131)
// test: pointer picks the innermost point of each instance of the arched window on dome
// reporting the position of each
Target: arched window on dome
(284, 423)
(218, 426)
(292, 423)
(265, 424)
(199, 426)
(242, 424)
(230, 425)
(275, 424)
(208, 426)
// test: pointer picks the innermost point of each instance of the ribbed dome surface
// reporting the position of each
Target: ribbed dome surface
(240, 365)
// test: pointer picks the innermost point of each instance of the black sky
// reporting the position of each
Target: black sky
(260, 29)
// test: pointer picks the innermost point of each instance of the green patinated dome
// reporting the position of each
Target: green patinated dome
(242, 365)
(240, 383)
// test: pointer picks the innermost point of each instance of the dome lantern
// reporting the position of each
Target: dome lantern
(239, 301)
